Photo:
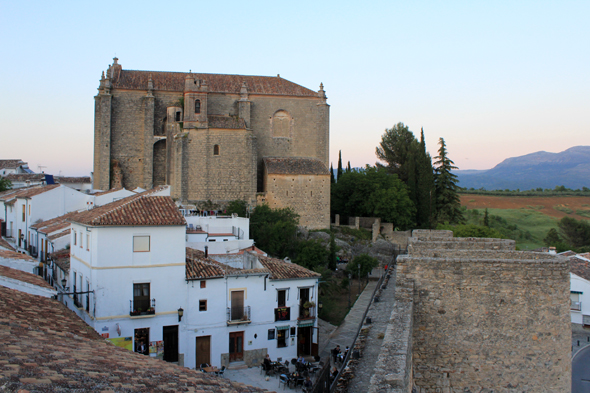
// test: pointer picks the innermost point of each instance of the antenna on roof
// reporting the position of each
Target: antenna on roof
(41, 167)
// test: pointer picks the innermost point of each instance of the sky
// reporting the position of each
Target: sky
(494, 79)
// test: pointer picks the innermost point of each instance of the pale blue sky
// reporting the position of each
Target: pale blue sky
(495, 79)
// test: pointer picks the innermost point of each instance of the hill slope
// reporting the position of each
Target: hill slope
(570, 168)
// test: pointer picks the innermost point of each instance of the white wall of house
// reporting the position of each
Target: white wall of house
(580, 293)
(221, 224)
(28, 266)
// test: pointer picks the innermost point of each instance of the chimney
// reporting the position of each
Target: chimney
(206, 251)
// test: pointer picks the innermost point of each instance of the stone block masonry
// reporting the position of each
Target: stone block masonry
(487, 318)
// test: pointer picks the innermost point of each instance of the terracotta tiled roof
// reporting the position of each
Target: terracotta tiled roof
(197, 266)
(107, 191)
(60, 234)
(11, 163)
(5, 244)
(295, 166)
(23, 276)
(42, 226)
(139, 209)
(25, 192)
(217, 121)
(218, 83)
(580, 267)
(25, 176)
(72, 179)
(281, 270)
(62, 259)
(16, 255)
(44, 347)
(567, 253)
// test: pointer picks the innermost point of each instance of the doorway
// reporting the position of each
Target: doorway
(142, 341)
(236, 346)
(170, 334)
(203, 350)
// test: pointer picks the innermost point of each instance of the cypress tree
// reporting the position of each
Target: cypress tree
(332, 180)
(425, 186)
(339, 165)
(348, 169)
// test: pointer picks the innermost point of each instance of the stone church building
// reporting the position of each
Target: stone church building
(215, 137)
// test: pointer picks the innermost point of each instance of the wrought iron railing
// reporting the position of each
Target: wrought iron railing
(238, 314)
(283, 314)
(306, 312)
(142, 307)
(576, 306)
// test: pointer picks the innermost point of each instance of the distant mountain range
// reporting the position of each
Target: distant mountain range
(570, 168)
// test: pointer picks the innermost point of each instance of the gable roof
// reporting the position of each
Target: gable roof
(281, 270)
(197, 266)
(580, 266)
(72, 179)
(47, 348)
(138, 210)
(217, 83)
(25, 192)
(107, 191)
(5, 244)
(294, 166)
(25, 176)
(23, 276)
(53, 224)
(15, 163)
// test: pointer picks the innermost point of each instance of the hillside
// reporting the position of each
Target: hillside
(570, 168)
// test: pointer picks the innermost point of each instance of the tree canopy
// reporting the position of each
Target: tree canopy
(5, 184)
(373, 192)
(238, 206)
(448, 203)
(274, 230)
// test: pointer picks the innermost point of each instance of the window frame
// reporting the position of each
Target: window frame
(202, 305)
(136, 246)
(282, 338)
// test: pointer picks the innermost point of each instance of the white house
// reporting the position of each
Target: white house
(221, 234)
(81, 183)
(580, 289)
(8, 167)
(135, 280)
(20, 180)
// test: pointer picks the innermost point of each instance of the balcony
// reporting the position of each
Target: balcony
(238, 315)
(139, 307)
(306, 312)
(282, 314)
(576, 306)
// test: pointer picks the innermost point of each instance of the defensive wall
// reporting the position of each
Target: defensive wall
(483, 318)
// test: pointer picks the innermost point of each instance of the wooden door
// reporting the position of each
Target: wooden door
(236, 346)
(237, 305)
(203, 348)
(170, 334)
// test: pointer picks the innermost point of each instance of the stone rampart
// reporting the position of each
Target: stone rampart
(488, 322)
(393, 369)
(468, 243)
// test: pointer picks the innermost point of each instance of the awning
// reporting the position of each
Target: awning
(284, 327)
(578, 292)
(305, 324)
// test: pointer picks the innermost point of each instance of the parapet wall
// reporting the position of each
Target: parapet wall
(485, 321)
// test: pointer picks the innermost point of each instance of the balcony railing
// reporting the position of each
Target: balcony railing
(238, 314)
(142, 307)
(283, 314)
(306, 312)
(576, 306)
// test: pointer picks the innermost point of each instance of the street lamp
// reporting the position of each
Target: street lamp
(180, 314)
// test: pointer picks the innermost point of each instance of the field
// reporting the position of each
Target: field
(533, 214)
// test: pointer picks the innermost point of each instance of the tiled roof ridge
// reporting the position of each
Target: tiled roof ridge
(205, 73)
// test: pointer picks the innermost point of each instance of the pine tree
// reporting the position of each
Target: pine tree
(339, 165)
(486, 218)
(332, 180)
(448, 203)
(348, 169)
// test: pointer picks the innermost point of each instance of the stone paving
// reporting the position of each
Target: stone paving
(380, 314)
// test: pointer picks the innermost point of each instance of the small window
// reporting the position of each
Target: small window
(197, 106)
(75, 238)
(87, 242)
(282, 338)
(202, 305)
(203, 284)
(177, 116)
(141, 243)
(282, 298)
(216, 150)
(81, 240)
(24, 212)
(29, 210)
(293, 331)
(141, 297)
(271, 334)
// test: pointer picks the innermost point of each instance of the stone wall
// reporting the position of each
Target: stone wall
(492, 320)
(308, 195)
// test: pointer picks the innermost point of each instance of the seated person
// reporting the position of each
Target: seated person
(333, 374)
(335, 352)
(300, 359)
(308, 385)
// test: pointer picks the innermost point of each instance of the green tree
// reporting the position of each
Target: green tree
(366, 262)
(274, 230)
(348, 169)
(448, 203)
(5, 184)
(575, 232)
(552, 238)
(310, 254)
(396, 149)
(238, 206)
(339, 173)
(425, 194)
(470, 230)
(332, 253)
(486, 218)
(332, 180)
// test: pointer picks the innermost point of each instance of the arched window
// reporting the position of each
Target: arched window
(216, 150)
(197, 106)
(281, 124)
